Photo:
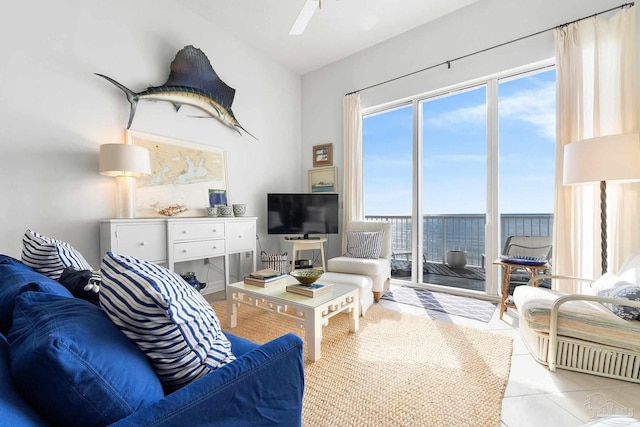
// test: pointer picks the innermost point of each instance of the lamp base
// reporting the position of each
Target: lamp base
(125, 197)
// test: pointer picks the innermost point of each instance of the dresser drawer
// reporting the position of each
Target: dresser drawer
(199, 249)
(197, 231)
(144, 241)
(241, 236)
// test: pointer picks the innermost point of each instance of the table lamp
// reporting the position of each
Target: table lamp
(602, 159)
(125, 162)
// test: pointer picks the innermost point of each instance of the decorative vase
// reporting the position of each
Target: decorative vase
(239, 209)
(212, 211)
(225, 210)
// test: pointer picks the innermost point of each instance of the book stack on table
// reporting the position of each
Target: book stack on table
(313, 290)
(266, 278)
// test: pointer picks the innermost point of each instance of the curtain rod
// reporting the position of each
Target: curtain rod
(448, 63)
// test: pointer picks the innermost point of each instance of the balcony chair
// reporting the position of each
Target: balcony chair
(377, 268)
(533, 246)
(596, 333)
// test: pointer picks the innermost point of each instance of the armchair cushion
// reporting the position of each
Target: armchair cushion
(362, 266)
(364, 244)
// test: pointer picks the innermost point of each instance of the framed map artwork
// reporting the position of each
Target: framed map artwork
(181, 173)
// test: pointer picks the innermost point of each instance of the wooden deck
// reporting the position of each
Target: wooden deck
(445, 277)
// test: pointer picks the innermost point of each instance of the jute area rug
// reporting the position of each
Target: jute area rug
(398, 370)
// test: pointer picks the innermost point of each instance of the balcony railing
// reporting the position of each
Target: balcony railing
(443, 233)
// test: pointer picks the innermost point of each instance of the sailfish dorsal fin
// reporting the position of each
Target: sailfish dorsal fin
(191, 68)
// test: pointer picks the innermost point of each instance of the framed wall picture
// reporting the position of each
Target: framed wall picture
(322, 155)
(324, 180)
(181, 173)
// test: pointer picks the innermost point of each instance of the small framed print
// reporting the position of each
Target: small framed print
(323, 180)
(322, 155)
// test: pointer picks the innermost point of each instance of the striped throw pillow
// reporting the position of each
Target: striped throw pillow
(165, 316)
(50, 256)
(364, 244)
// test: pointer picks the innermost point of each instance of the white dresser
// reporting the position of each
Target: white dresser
(173, 240)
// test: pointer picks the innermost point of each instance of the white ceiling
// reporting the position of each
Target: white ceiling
(339, 29)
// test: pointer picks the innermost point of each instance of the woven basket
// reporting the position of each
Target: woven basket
(275, 261)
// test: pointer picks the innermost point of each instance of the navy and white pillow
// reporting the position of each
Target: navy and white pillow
(50, 256)
(623, 290)
(364, 244)
(168, 319)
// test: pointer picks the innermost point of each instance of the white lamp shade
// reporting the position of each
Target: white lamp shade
(124, 160)
(604, 158)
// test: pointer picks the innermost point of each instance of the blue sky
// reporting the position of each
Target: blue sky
(454, 152)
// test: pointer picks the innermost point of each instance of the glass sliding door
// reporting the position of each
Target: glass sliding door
(388, 190)
(526, 114)
(459, 172)
(454, 162)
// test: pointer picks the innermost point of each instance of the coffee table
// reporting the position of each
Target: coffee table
(310, 313)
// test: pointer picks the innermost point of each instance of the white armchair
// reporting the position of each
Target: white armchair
(378, 269)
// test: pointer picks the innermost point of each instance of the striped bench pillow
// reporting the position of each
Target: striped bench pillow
(50, 256)
(165, 316)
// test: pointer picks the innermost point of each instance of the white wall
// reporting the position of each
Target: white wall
(55, 112)
(478, 26)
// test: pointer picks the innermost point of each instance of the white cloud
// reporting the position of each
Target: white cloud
(535, 106)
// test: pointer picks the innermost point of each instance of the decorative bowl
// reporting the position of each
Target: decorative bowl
(307, 276)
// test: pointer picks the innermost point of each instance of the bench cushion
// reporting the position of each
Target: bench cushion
(584, 320)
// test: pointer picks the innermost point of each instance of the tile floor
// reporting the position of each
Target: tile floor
(537, 397)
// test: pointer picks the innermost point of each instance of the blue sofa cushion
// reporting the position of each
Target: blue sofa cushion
(16, 279)
(14, 411)
(73, 365)
(50, 256)
(239, 345)
(263, 387)
(168, 319)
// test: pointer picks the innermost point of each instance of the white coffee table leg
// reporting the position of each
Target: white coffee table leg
(354, 319)
(232, 313)
(313, 336)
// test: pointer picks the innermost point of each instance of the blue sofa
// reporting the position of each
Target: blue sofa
(61, 363)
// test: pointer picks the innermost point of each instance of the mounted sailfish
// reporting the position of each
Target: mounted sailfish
(192, 81)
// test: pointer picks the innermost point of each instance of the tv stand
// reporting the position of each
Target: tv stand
(302, 244)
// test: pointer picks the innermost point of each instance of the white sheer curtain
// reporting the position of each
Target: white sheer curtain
(596, 96)
(352, 182)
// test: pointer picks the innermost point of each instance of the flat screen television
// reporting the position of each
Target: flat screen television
(302, 213)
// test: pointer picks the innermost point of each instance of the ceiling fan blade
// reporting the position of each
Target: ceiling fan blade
(304, 17)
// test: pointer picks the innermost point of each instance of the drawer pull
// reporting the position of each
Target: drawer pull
(214, 230)
(185, 231)
(215, 247)
(239, 236)
(184, 251)
(143, 243)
